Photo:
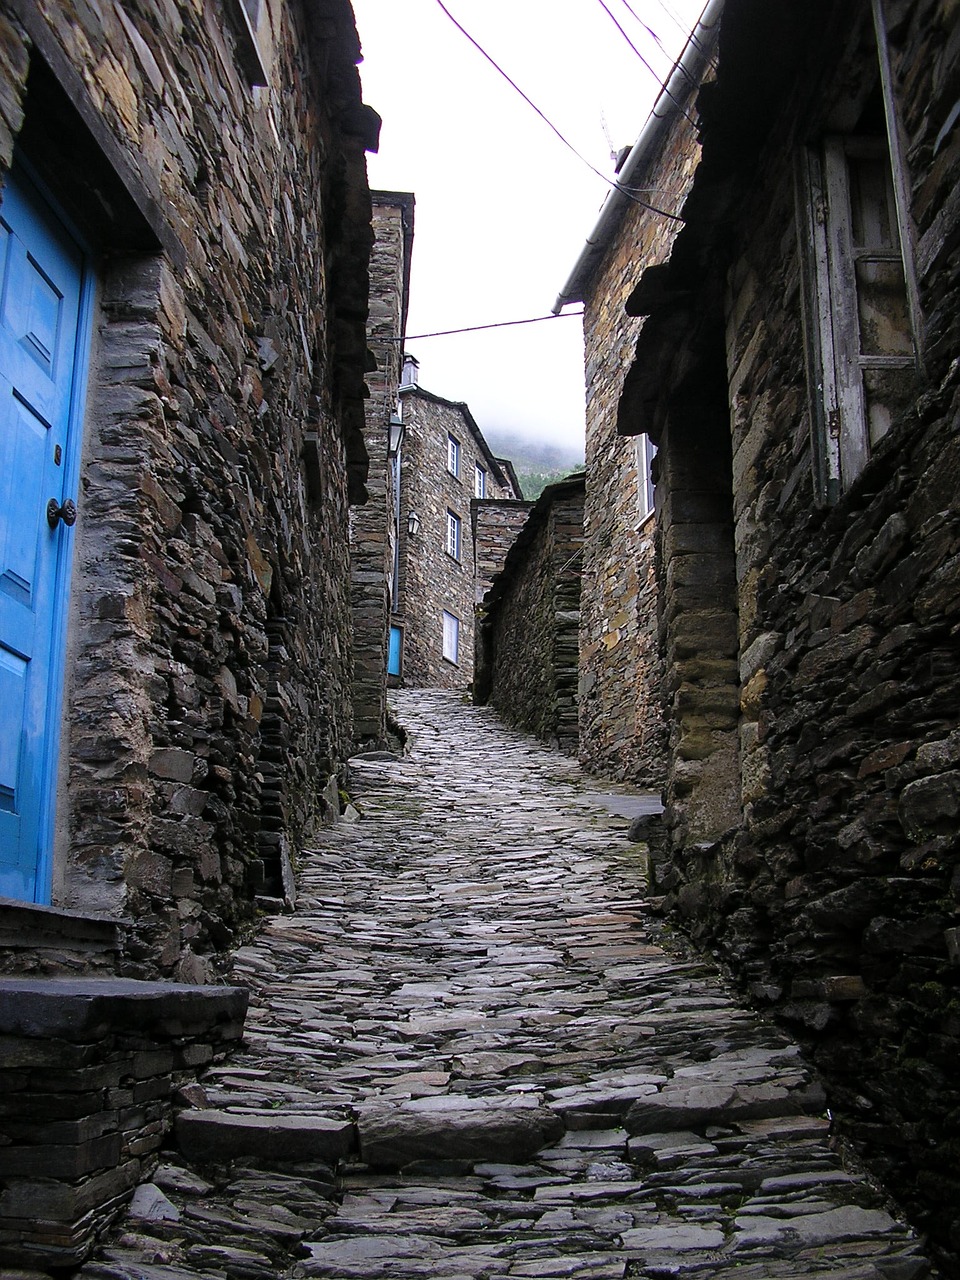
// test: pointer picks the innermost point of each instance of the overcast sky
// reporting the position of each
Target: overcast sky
(503, 207)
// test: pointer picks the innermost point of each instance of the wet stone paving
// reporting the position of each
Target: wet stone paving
(473, 1053)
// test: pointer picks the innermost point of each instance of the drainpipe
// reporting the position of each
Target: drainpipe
(689, 66)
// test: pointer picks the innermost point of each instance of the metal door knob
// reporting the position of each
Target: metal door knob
(67, 512)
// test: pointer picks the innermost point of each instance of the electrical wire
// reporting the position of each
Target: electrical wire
(475, 328)
(692, 37)
(679, 23)
(666, 88)
(646, 27)
(549, 123)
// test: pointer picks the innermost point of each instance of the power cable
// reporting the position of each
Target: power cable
(566, 142)
(475, 328)
(666, 88)
(680, 24)
(692, 37)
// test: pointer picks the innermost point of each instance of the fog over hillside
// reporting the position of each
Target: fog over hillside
(532, 450)
(537, 462)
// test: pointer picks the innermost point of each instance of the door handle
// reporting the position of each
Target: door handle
(67, 512)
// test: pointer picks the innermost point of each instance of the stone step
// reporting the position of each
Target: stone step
(392, 1137)
(220, 1136)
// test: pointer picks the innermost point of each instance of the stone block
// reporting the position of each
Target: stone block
(172, 763)
(930, 806)
(49, 1160)
(276, 1137)
(392, 1137)
(91, 1008)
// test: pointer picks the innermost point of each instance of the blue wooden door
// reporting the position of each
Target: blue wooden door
(41, 288)
(394, 658)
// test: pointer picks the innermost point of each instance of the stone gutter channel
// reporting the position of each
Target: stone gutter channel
(473, 1053)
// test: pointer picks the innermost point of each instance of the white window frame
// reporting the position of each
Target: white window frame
(837, 364)
(646, 452)
(454, 542)
(451, 638)
(479, 481)
(453, 456)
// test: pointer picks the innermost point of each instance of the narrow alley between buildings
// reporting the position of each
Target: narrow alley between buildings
(474, 1053)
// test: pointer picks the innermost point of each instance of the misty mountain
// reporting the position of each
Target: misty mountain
(532, 454)
(536, 462)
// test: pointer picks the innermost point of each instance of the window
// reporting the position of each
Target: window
(251, 25)
(646, 452)
(860, 341)
(454, 529)
(479, 482)
(451, 637)
(453, 456)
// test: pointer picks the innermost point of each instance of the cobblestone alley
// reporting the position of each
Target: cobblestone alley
(472, 1054)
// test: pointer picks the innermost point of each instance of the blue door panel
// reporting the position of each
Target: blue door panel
(13, 684)
(41, 296)
(396, 650)
(23, 458)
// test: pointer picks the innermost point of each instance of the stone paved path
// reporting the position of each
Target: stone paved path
(472, 1054)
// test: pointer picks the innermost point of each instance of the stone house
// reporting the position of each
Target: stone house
(186, 223)
(794, 360)
(186, 237)
(446, 467)
(528, 622)
(374, 525)
(622, 729)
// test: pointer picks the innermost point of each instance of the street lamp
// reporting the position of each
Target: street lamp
(395, 433)
(413, 524)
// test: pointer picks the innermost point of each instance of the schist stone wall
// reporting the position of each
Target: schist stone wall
(208, 698)
(622, 731)
(496, 523)
(822, 852)
(437, 562)
(88, 1087)
(529, 622)
(373, 525)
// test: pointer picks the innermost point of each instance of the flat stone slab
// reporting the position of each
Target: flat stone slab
(624, 806)
(394, 1137)
(681, 1238)
(90, 1008)
(848, 1222)
(223, 1135)
(687, 1107)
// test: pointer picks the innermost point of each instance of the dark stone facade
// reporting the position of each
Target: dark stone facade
(435, 578)
(373, 526)
(810, 608)
(209, 661)
(529, 622)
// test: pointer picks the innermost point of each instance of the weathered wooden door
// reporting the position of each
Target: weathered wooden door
(42, 352)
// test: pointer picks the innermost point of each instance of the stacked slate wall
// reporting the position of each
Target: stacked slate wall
(208, 702)
(373, 526)
(496, 523)
(528, 634)
(622, 732)
(90, 1073)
